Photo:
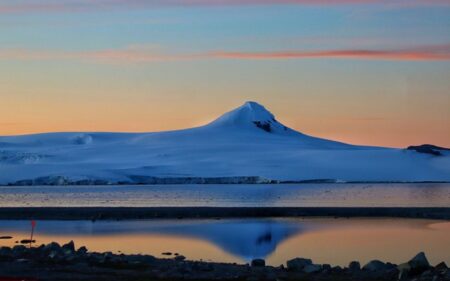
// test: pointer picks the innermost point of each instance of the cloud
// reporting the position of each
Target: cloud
(440, 52)
(33, 6)
(138, 54)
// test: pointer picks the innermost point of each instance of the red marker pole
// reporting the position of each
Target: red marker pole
(33, 225)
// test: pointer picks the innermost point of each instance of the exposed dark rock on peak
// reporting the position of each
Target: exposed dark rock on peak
(263, 125)
(429, 149)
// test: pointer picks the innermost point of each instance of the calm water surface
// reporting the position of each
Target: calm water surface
(287, 195)
(334, 241)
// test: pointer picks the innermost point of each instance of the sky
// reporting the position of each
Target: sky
(369, 72)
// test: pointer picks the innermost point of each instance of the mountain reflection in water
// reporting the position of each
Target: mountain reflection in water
(324, 240)
(246, 239)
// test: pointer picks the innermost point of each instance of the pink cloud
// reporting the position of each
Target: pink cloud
(441, 52)
(143, 55)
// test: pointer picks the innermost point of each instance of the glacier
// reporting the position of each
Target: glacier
(245, 145)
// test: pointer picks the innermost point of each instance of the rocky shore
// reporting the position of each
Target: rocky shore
(55, 262)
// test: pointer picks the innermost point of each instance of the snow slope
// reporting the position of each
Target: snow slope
(247, 141)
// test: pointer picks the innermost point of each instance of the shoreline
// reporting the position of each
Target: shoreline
(61, 180)
(198, 181)
(128, 213)
(54, 262)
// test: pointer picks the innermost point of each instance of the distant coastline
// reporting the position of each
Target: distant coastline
(149, 180)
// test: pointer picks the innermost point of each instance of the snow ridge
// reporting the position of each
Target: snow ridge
(246, 144)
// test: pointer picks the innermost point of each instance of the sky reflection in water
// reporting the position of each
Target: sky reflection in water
(335, 241)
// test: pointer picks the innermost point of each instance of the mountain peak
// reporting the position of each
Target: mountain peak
(254, 105)
(251, 114)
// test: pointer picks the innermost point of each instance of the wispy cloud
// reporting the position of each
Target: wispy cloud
(440, 52)
(137, 54)
(32, 6)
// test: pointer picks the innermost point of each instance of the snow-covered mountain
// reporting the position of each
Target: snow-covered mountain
(246, 144)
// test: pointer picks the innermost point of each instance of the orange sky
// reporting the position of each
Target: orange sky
(363, 72)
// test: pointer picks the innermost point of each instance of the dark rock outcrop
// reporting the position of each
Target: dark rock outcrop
(428, 149)
(263, 125)
(298, 264)
(354, 266)
(258, 263)
(419, 263)
(375, 265)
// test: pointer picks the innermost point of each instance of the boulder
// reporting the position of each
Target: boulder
(427, 274)
(375, 265)
(19, 249)
(354, 266)
(404, 270)
(69, 246)
(312, 268)
(53, 255)
(298, 264)
(51, 247)
(419, 263)
(446, 274)
(337, 269)
(82, 250)
(258, 263)
(5, 252)
(180, 258)
(441, 267)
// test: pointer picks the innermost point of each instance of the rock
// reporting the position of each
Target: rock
(19, 249)
(205, 267)
(426, 274)
(354, 266)
(180, 258)
(298, 264)
(428, 148)
(391, 273)
(404, 270)
(375, 265)
(51, 247)
(312, 268)
(326, 266)
(419, 263)
(69, 246)
(53, 255)
(336, 269)
(82, 250)
(258, 263)
(390, 265)
(5, 251)
(441, 266)
(446, 274)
